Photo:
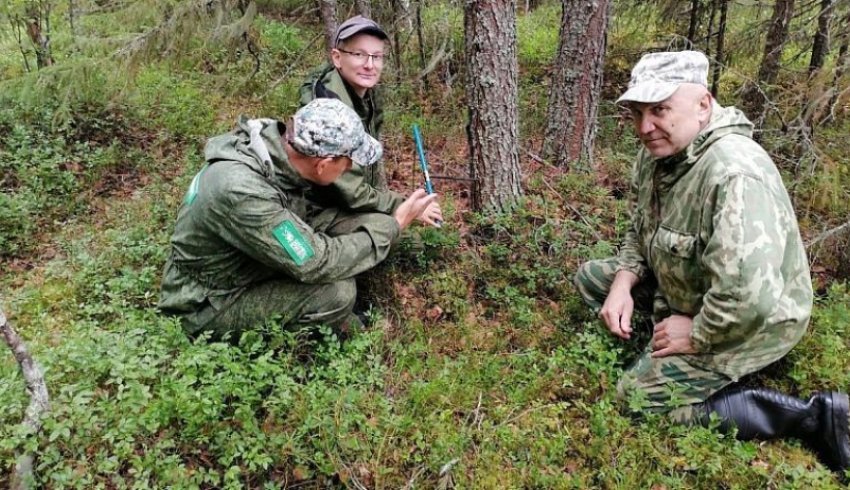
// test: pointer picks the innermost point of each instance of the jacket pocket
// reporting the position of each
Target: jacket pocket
(669, 242)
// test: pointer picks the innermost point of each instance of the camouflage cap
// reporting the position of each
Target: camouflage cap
(356, 25)
(658, 75)
(329, 128)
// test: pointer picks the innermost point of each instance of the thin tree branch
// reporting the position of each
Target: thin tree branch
(826, 234)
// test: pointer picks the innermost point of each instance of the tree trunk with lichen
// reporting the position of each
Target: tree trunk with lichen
(492, 96)
(576, 82)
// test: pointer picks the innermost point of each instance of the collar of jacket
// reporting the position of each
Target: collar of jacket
(334, 82)
(724, 121)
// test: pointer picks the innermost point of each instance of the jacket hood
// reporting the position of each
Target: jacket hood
(258, 143)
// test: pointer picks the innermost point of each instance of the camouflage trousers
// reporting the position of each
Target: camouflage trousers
(296, 303)
(669, 385)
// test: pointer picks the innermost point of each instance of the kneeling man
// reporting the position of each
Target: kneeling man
(258, 236)
(714, 253)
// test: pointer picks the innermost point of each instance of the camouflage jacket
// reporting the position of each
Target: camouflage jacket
(248, 216)
(715, 226)
(326, 82)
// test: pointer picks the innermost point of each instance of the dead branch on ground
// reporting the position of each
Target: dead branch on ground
(23, 476)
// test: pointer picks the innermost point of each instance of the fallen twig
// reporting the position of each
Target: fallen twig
(39, 400)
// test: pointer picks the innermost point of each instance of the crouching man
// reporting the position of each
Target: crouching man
(258, 237)
(714, 253)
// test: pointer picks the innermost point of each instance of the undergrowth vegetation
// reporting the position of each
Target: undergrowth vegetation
(480, 366)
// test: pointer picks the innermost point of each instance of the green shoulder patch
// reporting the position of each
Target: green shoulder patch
(192, 193)
(293, 242)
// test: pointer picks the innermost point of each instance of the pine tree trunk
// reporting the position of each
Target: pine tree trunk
(718, 57)
(492, 96)
(576, 82)
(820, 44)
(754, 98)
(328, 11)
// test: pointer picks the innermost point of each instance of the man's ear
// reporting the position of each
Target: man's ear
(322, 164)
(705, 107)
(336, 58)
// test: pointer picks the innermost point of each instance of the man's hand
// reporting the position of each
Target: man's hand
(413, 207)
(673, 336)
(432, 215)
(617, 310)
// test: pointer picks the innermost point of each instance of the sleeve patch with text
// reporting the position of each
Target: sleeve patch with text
(293, 242)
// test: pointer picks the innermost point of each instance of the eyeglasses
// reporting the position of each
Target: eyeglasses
(363, 58)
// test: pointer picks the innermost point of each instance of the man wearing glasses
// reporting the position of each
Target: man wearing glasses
(357, 61)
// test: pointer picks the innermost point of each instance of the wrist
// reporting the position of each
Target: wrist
(624, 281)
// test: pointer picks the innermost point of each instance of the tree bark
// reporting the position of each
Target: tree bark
(711, 16)
(718, 56)
(419, 38)
(22, 478)
(693, 25)
(492, 96)
(328, 11)
(820, 44)
(842, 63)
(364, 8)
(576, 82)
(71, 18)
(754, 99)
(38, 30)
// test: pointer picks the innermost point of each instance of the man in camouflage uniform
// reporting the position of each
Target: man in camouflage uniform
(713, 251)
(259, 236)
(357, 61)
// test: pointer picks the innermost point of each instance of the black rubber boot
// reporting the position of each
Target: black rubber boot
(821, 423)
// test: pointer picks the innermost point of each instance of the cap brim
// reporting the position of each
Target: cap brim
(649, 93)
(369, 152)
(363, 30)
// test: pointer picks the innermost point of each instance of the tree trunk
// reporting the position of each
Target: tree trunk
(820, 44)
(71, 19)
(576, 82)
(754, 99)
(402, 25)
(38, 30)
(842, 63)
(419, 39)
(718, 56)
(711, 16)
(693, 25)
(364, 8)
(492, 96)
(328, 11)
